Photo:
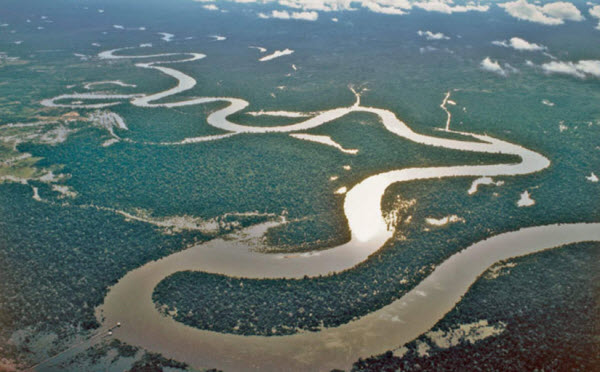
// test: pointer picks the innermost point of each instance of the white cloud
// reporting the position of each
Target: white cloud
(549, 14)
(166, 36)
(519, 44)
(375, 7)
(260, 49)
(290, 4)
(276, 54)
(595, 12)
(444, 6)
(211, 7)
(547, 103)
(284, 14)
(502, 43)
(563, 10)
(394, 7)
(281, 14)
(492, 66)
(118, 27)
(581, 69)
(307, 16)
(432, 36)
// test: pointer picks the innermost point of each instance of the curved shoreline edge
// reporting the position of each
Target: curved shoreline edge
(130, 300)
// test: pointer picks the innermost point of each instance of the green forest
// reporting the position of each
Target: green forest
(62, 261)
(60, 254)
(549, 303)
(278, 306)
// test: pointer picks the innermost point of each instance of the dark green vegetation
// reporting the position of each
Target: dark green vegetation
(152, 362)
(561, 192)
(277, 174)
(115, 355)
(269, 307)
(550, 305)
(112, 354)
(95, 354)
(59, 261)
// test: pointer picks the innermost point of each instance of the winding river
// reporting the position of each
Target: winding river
(130, 300)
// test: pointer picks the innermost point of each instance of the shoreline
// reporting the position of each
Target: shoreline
(130, 300)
